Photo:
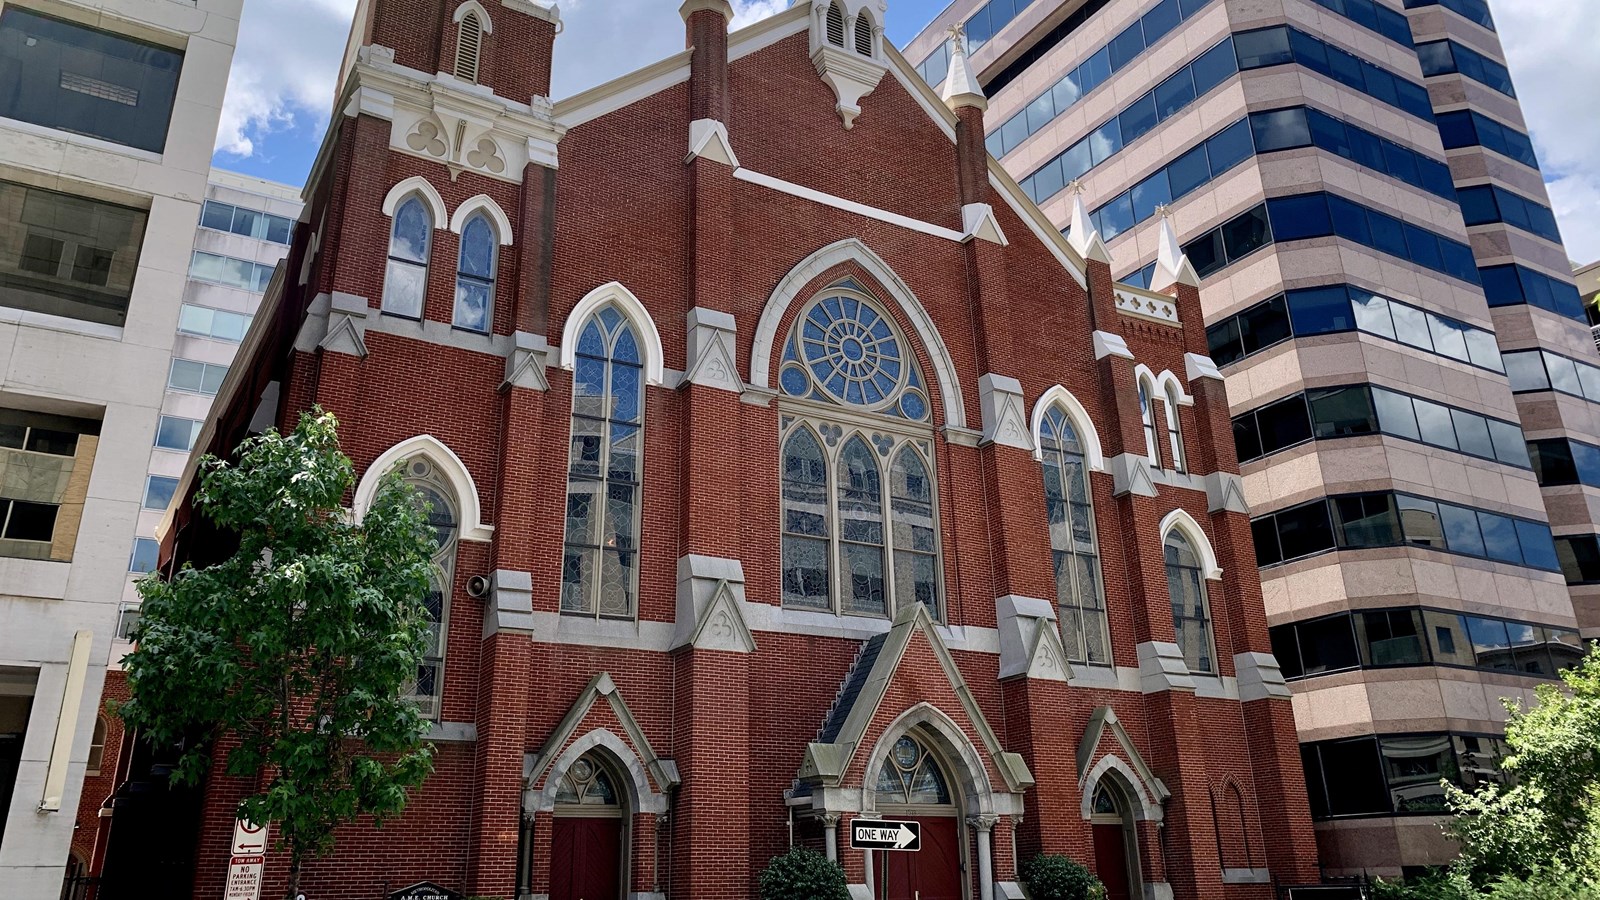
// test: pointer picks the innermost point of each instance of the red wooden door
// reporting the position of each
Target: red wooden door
(1111, 861)
(586, 859)
(932, 873)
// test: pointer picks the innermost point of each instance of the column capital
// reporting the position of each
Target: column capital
(983, 822)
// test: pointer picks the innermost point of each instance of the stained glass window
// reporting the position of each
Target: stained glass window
(586, 783)
(599, 566)
(475, 276)
(1174, 431)
(406, 281)
(1147, 413)
(911, 775)
(441, 517)
(853, 543)
(1191, 614)
(1079, 593)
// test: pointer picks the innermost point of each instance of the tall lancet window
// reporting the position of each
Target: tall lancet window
(1079, 595)
(1191, 610)
(475, 275)
(469, 47)
(1147, 415)
(1175, 430)
(599, 571)
(860, 518)
(433, 494)
(405, 283)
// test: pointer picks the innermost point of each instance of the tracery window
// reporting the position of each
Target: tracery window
(1079, 593)
(475, 273)
(860, 524)
(1191, 612)
(405, 281)
(431, 492)
(911, 776)
(587, 783)
(599, 573)
(1175, 430)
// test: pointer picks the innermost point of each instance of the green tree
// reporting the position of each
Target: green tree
(294, 653)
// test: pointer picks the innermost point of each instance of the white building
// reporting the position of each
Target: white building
(108, 114)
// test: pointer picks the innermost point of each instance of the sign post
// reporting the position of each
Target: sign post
(247, 857)
(873, 834)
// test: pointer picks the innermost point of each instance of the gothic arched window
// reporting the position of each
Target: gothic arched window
(1079, 593)
(599, 571)
(860, 521)
(1174, 429)
(405, 283)
(863, 33)
(475, 273)
(1191, 613)
(1147, 414)
(911, 776)
(835, 25)
(432, 493)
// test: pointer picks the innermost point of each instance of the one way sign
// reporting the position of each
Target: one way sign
(874, 835)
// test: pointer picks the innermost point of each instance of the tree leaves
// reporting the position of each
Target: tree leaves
(296, 650)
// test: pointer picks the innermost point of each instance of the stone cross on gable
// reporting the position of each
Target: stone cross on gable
(958, 36)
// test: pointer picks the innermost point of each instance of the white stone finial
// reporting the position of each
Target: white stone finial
(1172, 266)
(960, 85)
(1081, 233)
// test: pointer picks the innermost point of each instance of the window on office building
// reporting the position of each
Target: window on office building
(67, 255)
(86, 81)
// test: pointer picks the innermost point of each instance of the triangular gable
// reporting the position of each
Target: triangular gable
(827, 762)
(1105, 719)
(664, 772)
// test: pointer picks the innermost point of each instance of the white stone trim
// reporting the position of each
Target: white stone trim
(633, 310)
(485, 204)
(860, 209)
(450, 468)
(416, 184)
(1087, 435)
(708, 138)
(625, 91)
(978, 794)
(486, 23)
(1196, 366)
(853, 250)
(1148, 810)
(1109, 344)
(1191, 529)
(1161, 383)
(641, 798)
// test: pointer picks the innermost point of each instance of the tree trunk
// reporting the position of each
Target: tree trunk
(293, 890)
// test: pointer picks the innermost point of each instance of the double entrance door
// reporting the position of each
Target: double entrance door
(586, 858)
(932, 873)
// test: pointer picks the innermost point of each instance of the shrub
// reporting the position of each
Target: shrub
(803, 874)
(1060, 878)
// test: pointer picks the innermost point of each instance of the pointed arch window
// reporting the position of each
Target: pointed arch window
(860, 515)
(1175, 430)
(475, 274)
(599, 571)
(1080, 595)
(432, 494)
(863, 33)
(835, 25)
(1147, 414)
(469, 47)
(912, 776)
(1191, 611)
(405, 282)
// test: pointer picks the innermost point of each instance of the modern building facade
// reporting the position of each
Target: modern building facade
(107, 121)
(791, 469)
(1411, 378)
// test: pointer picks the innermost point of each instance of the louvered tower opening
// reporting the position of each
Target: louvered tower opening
(835, 25)
(864, 34)
(469, 43)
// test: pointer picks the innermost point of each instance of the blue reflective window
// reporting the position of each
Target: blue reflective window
(1349, 220)
(1294, 218)
(1127, 45)
(1387, 234)
(1189, 171)
(1281, 129)
(1320, 310)
(1175, 93)
(1229, 147)
(1266, 47)
(1149, 194)
(1214, 67)
(1163, 18)
(1115, 217)
(1138, 118)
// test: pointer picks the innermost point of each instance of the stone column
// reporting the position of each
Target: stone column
(985, 828)
(830, 831)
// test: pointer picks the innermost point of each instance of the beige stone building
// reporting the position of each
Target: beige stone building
(1415, 389)
(108, 114)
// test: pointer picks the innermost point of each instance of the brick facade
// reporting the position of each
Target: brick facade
(709, 707)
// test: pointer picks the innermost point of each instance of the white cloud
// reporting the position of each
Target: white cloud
(1550, 47)
(633, 33)
(283, 70)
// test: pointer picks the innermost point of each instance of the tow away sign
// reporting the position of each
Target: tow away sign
(875, 835)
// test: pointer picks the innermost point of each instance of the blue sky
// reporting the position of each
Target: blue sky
(281, 89)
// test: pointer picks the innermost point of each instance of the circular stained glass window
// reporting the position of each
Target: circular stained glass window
(852, 352)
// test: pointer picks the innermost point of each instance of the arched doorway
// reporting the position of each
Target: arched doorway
(1116, 841)
(913, 785)
(589, 835)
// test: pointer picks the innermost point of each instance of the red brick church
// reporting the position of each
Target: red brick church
(881, 499)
